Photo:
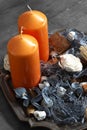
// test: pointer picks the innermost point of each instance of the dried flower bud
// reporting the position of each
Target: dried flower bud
(84, 86)
(40, 115)
(70, 63)
(6, 63)
(30, 110)
(71, 36)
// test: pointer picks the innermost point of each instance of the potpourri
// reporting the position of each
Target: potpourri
(60, 95)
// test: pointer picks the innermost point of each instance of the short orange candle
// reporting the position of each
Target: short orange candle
(35, 23)
(24, 61)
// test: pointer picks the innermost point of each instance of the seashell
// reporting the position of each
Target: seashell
(84, 86)
(71, 36)
(70, 63)
(61, 91)
(6, 63)
(40, 115)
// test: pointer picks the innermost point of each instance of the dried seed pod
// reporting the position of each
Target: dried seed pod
(70, 63)
(86, 113)
(83, 51)
(71, 36)
(40, 115)
(6, 63)
(43, 78)
(30, 110)
(84, 86)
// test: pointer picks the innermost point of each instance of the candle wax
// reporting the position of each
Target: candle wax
(35, 23)
(24, 61)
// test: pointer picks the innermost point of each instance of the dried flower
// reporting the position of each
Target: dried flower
(70, 63)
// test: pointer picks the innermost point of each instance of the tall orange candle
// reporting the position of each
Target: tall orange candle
(24, 61)
(35, 23)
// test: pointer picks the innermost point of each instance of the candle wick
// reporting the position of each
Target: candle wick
(29, 7)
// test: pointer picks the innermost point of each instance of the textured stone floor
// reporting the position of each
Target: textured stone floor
(60, 14)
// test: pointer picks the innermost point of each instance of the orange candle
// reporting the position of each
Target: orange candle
(24, 61)
(35, 23)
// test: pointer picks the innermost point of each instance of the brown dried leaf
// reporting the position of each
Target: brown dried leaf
(59, 43)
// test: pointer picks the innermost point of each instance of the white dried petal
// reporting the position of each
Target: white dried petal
(43, 78)
(71, 36)
(61, 91)
(46, 84)
(41, 86)
(70, 63)
(40, 115)
(6, 63)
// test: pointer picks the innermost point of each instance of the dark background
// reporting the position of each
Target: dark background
(60, 14)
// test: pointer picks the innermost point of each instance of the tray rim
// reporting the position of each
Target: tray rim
(19, 110)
